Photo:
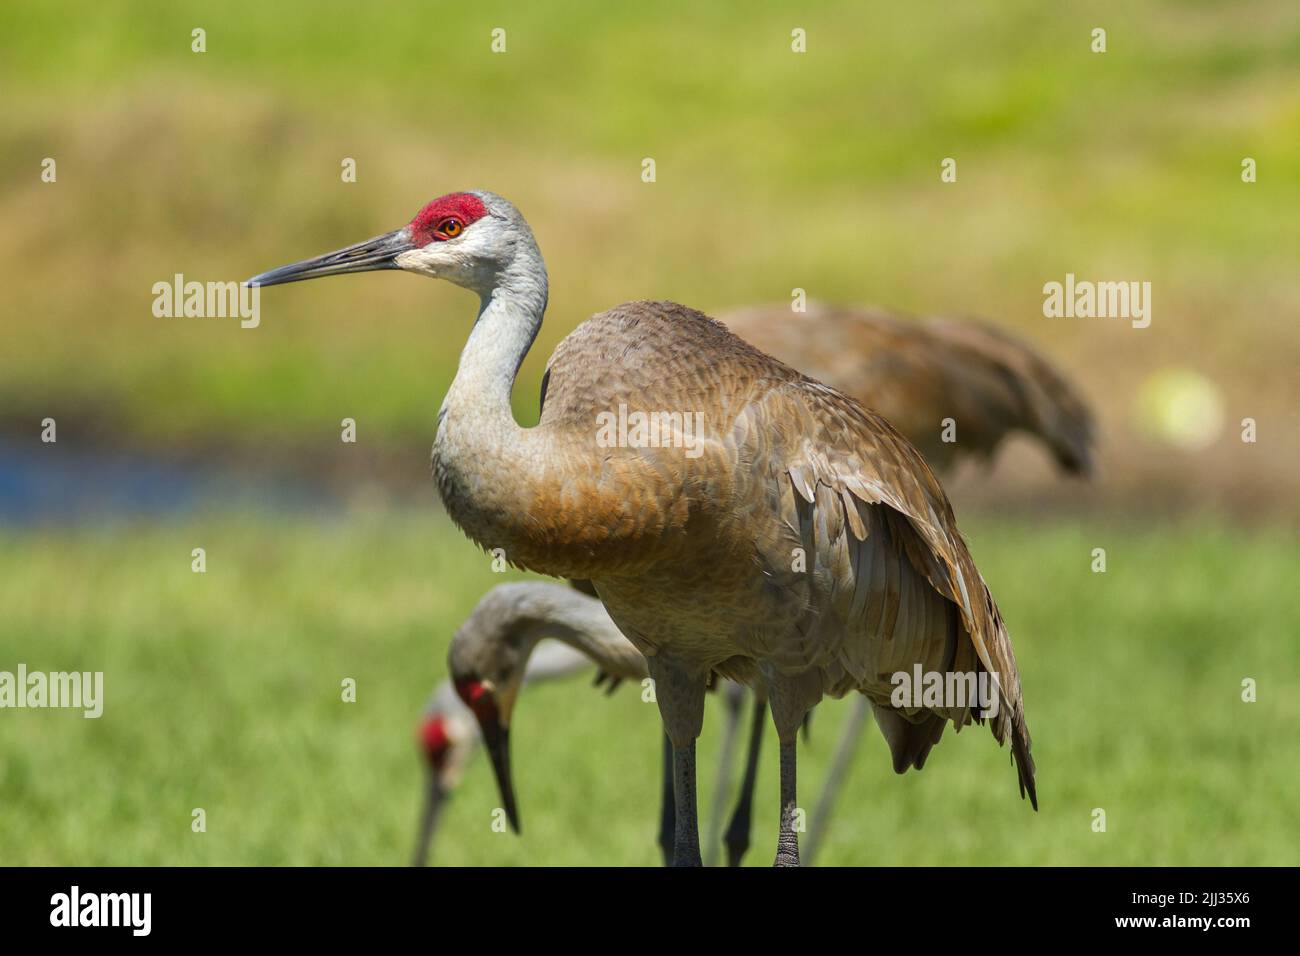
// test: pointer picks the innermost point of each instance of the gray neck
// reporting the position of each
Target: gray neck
(488, 469)
(509, 318)
(558, 612)
(554, 659)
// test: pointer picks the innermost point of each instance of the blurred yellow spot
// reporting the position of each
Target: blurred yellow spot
(1181, 408)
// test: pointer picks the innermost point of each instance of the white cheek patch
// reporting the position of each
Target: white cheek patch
(409, 260)
(441, 260)
(466, 260)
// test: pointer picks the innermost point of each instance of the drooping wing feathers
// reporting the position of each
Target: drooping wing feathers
(888, 563)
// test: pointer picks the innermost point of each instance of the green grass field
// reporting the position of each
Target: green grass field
(223, 692)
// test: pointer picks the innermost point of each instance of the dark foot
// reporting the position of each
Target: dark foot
(787, 856)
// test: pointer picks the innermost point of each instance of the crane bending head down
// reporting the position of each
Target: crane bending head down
(449, 732)
(492, 655)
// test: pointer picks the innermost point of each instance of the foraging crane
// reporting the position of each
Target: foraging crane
(999, 384)
(917, 372)
(490, 652)
(797, 540)
(449, 732)
(525, 632)
(492, 656)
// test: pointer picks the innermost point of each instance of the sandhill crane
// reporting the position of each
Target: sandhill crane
(770, 528)
(490, 652)
(918, 372)
(1002, 384)
(492, 656)
(449, 733)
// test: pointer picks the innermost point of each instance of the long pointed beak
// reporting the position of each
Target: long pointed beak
(378, 253)
(435, 797)
(497, 740)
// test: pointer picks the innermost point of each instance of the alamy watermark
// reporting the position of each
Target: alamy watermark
(659, 429)
(945, 690)
(82, 690)
(208, 300)
(1085, 299)
(75, 908)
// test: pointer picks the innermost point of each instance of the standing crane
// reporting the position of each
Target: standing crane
(796, 540)
(916, 371)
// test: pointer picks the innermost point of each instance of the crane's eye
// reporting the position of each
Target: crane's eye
(450, 228)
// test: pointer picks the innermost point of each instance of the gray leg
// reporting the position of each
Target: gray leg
(787, 840)
(741, 818)
(667, 806)
(844, 751)
(790, 698)
(680, 694)
(686, 840)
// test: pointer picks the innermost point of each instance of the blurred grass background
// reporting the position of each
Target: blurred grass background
(817, 171)
(774, 171)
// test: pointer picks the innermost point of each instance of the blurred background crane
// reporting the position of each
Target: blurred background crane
(449, 734)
